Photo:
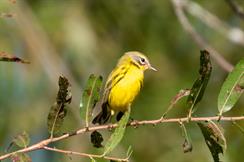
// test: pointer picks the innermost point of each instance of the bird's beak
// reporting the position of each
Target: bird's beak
(152, 68)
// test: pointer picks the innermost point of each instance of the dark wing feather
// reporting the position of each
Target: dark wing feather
(116, 75)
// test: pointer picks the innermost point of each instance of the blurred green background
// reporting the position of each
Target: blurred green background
(79, 37)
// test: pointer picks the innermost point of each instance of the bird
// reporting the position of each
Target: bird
(123, 85)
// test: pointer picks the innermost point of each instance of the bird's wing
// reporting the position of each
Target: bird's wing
(115, 76)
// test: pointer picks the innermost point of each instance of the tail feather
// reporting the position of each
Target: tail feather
(103, 116)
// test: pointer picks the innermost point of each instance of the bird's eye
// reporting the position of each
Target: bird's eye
(142, 61)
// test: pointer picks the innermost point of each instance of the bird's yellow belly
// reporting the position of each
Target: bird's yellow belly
(123, 93)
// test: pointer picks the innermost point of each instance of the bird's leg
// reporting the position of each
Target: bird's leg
(132, 119)
(119, 115)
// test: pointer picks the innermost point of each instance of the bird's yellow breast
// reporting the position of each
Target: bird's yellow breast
(125, 91)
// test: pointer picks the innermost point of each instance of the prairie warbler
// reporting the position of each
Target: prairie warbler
(123, 85)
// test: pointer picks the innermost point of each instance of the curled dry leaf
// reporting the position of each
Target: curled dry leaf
(214, 138)
(58, 111)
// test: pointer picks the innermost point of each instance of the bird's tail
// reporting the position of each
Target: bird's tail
(103, 116)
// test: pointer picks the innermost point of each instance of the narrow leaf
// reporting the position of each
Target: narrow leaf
(96, 139)
(90, 97)
(20, 157)
(214, 138)
(118, 133)
(129, 152)
(58, 110)
(200, 84)
(92, 159)
(238, 126)
(22, 140)
(232, 88)
(187, 146)
(9, 58)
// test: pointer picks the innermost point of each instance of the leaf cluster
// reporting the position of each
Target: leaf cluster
(230, 92)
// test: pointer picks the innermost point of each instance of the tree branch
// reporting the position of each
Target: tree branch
(236, 8)
(233, 33)
(44, 143)
(85, 154)
(220, 60)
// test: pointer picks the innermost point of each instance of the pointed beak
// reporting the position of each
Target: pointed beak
(152, 68)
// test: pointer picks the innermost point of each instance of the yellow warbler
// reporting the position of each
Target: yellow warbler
(123, 85)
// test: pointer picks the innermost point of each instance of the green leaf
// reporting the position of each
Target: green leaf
(187, 146)
(232, 88)
(20, 157)
(96, 139)
(9, 58)
(58, 110)
(214, 138)
(200, 84)
(92, 159)
(129, 152)
(22, 140)
(118, 133)
(90, 97)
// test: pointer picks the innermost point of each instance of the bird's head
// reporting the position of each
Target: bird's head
(139, 60)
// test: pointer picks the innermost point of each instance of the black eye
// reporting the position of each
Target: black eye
(142, 61)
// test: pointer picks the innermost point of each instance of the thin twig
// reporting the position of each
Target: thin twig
(178, 7)
(236, 8)
(238, 126)
(68, 152)
(46, 142)
(182, 93)
(233, 33)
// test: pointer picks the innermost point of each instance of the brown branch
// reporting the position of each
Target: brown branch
(7, 15)
(236, 8)
(46, 142)
(4, 56)
(12, 1)
(85, 154)
(220, 60)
